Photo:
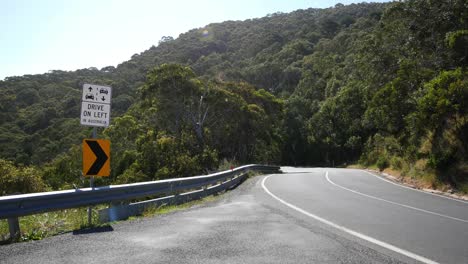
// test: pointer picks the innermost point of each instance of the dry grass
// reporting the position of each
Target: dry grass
(395, 173)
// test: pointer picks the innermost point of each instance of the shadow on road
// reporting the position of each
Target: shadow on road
(100, 229)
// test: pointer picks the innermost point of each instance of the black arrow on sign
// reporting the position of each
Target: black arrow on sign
(101, 157)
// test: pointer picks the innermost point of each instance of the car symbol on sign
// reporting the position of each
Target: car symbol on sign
(103, 91)
(89, 96)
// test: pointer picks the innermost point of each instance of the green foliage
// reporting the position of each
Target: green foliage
(455, 39)
(382, 163)
(14, 180)
(458, 42)
(397, 99)
(185, 125)
(36, 109)
(39, 226)
(65, 170)
(446, 97)
(162, 157)
(443, 116)
(132, 174)
(397, 163)
(336, 127)
(40, 113)
(123, 133)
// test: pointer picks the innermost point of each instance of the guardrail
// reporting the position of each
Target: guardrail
(14, 206)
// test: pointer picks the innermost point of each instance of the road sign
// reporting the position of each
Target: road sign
(96, 157)
(95, 105)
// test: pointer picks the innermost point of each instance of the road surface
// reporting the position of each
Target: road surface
(302, 216)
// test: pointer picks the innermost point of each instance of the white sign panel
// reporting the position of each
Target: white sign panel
(95, 105)
(96, 94)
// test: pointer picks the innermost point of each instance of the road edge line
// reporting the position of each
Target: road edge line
(349, 231)
(395, 203)
(417, 190)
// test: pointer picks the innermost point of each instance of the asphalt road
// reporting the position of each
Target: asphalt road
(302, 216)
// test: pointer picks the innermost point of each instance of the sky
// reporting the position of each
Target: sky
(41, 35)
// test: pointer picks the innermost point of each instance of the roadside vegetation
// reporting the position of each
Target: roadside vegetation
(382, 85)
(40, 226)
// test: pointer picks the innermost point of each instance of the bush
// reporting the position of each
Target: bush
(65, 170)
(132, 174)
(396, 163)
(19, 179)
(226, 164)
(440, 161)
(382, 163)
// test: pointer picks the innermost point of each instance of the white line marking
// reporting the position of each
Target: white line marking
(349, 231)
(395, 203)
(402, 186)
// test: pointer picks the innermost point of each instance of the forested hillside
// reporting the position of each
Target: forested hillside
(378, 84)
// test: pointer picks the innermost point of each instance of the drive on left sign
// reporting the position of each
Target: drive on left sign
(95, 105)
(96, 157)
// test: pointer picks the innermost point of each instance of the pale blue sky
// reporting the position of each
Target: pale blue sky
(41, 35)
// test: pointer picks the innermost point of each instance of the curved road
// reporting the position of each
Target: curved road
(419, 225)
(302, 216)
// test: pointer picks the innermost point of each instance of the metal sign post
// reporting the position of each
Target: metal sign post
(91, 184)
(95, 112)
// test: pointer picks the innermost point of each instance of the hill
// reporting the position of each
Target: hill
(382, 84)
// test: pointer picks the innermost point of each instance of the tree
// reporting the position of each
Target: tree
(174, 89)
(443, 113)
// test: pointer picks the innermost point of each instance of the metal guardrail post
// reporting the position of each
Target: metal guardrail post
(13, 225)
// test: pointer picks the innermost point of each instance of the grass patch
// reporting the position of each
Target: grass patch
(39, 226)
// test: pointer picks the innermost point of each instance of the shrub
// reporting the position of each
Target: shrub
(19, 179)
(382, 163)
(396, 163)
(132, 174)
